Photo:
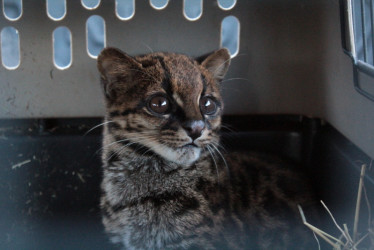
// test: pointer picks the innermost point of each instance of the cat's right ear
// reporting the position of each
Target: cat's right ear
(217, 63)
(115, 66)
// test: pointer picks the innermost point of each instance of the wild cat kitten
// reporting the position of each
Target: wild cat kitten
(164, 186)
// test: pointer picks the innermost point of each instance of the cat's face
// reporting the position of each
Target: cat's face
(166, 103)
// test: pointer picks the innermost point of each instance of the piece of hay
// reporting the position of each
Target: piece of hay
(350, 243)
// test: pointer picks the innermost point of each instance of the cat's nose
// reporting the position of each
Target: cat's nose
(193, 128)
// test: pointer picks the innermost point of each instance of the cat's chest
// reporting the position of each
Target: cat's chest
(156, 198)
(142, 184)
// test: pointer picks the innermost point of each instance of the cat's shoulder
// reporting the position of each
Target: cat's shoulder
(262, 161)
(268, 171)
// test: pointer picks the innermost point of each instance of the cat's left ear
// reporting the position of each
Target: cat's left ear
(217, 63)
(117, 69)
(112, 62)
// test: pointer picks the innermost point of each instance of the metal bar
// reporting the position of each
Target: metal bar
(358, 28)
(351, 29)
(365, 67)
(372, 26)
(363, 29)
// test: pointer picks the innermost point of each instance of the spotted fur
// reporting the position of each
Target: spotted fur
(162, 189)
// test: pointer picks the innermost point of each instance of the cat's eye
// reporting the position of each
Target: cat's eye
(208, 106)
(159, 105)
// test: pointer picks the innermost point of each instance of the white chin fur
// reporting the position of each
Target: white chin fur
(183, 156)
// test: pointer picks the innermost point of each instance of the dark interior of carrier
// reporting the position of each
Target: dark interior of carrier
(300, 86)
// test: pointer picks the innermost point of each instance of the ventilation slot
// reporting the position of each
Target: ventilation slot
(95, 29)
(56, 9)
(230, 34)
(12, 9)
(10, 48)
(159, 4)
(192, 9)
(125, 9)
(90, 4)
(226, 4)
(62, 49)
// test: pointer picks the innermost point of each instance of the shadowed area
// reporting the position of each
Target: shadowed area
(50, 174)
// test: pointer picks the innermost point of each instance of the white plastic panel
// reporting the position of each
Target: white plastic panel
(43, 90)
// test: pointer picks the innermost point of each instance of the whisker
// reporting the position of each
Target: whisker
(123, 140)
(164, 147)
(215, 163)
(146, 140)
(236, 78)
(228, 127)
(140, 146)
(106, 146)
(219, 145)
(147, 145)
(223, 158)
(148, 47)
(150, 148)
(120, 150)
(145, 135)
(218, 68)
(99, 125)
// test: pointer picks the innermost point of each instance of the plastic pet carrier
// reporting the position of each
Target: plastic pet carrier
(300, 85)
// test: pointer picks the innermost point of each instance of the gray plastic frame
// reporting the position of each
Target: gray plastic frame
(289, 61)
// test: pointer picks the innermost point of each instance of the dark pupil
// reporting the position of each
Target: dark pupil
(159, 104)
(208, 106)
